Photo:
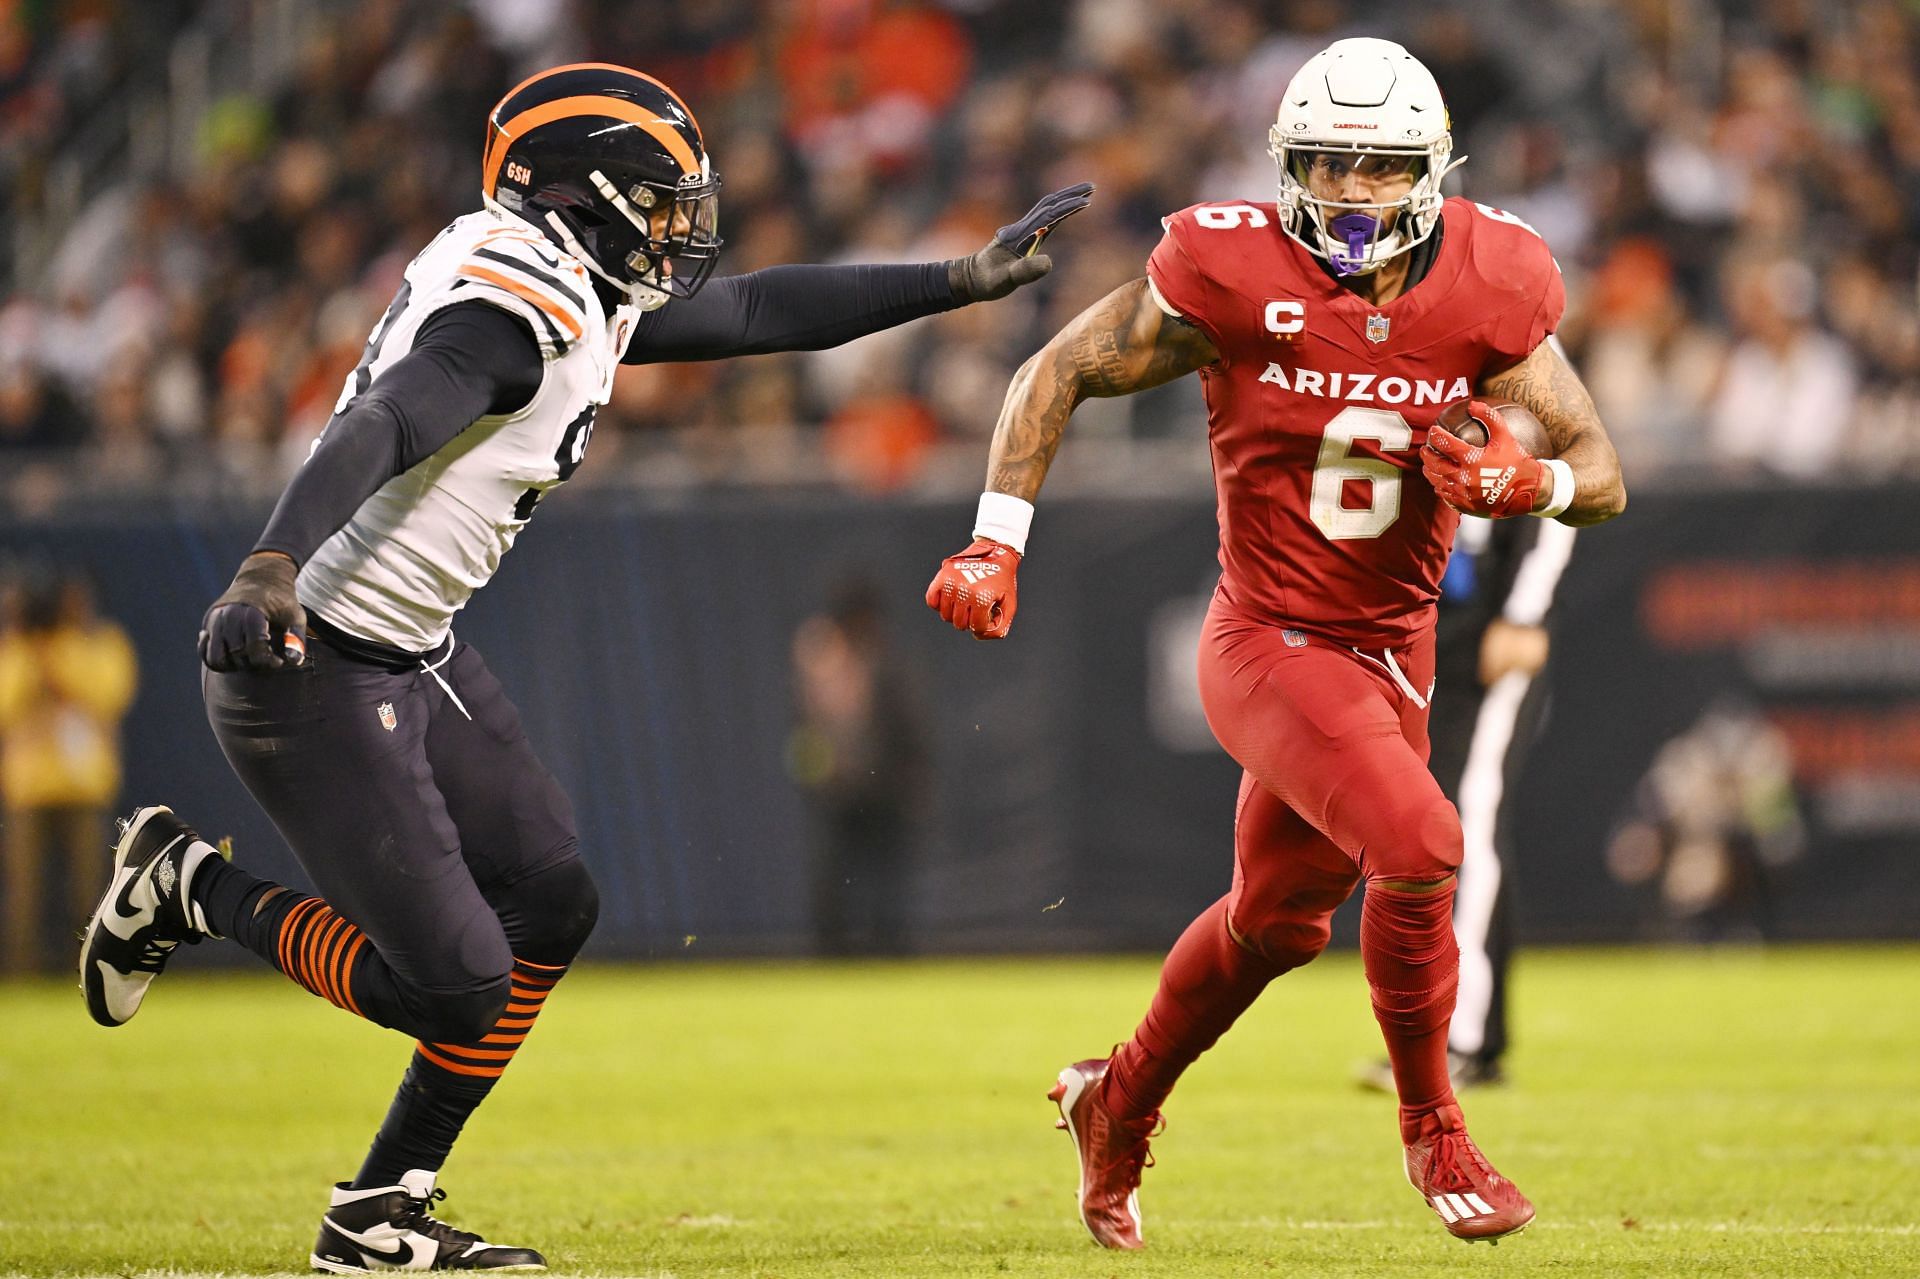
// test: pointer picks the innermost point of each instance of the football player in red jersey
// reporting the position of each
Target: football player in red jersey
(1329, 328)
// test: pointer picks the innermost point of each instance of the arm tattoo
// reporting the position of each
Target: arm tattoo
(1096, 354)
(1121, 344)
(1553, 392)
(1546, 385)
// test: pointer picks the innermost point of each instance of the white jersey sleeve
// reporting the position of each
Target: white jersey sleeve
(520, 272)
(415, 551)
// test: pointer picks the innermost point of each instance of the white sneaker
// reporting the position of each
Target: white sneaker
(390, 1228)
(148, 910)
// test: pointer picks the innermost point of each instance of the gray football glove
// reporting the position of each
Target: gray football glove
(1009, 260)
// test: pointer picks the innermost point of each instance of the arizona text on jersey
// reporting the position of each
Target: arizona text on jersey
(1320, 402)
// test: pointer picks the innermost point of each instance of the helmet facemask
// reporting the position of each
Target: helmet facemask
(1354, 237)
(617, 233)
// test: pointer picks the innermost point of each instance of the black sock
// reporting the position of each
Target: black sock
(445, 1083)
(228, 897)
(422, 1123)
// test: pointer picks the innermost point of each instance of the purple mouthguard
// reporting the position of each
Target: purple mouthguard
(1358, 229)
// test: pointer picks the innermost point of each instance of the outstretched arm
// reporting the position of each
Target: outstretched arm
(790, 308)
(1121, 344)
(810, 308)
(1548, 387)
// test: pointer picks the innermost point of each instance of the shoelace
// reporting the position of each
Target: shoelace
(419, 1217)
(1455, 1161)
(156, 945)
(153, 955)
(1137, 1157)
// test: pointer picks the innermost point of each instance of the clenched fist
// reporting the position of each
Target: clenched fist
(976, 591)
(258, 625)
(1498, 479)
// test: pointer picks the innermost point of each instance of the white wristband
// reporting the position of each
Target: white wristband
(1004, 518)
(1562, 495)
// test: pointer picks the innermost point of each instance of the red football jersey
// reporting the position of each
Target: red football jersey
(1320, 402)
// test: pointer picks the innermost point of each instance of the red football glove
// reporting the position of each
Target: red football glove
(975, 590)
(1496, 479)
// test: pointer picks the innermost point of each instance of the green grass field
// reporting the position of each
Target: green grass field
(1672, 1113)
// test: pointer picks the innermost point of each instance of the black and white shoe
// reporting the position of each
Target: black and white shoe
(147, 911)
(389, 1228)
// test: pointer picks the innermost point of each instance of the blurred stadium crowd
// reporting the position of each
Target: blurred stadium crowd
(212, 202)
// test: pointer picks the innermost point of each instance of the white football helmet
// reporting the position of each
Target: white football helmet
(1370, 96)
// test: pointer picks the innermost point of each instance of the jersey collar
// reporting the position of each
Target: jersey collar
(1420, 315)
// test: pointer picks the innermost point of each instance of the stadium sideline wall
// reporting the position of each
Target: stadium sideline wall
(1079, 803)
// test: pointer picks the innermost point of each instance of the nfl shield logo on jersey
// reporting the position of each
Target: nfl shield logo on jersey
(387, 718)
(1377, 328)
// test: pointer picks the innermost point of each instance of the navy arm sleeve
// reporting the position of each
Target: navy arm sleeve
(467, 361)
(790, 308)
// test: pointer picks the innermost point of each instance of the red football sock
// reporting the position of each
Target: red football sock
(1413, 971)
(1208, 980)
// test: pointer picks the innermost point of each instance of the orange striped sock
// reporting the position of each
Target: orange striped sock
(487, 1057)
(445, 1082)
(319, 949)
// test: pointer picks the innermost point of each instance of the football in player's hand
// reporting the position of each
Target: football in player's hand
(1528, 433)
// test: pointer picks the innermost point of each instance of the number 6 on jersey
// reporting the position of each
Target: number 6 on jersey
(1337, 464)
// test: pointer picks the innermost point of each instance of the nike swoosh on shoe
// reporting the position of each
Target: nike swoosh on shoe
(123, 912)
(402, 1254)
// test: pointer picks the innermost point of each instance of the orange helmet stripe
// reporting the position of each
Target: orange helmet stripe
(662, 85)
(532, 118)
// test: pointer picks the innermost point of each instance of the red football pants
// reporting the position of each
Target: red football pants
(1336, 789)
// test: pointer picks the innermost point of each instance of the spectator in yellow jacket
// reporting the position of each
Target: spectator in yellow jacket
(66, 679)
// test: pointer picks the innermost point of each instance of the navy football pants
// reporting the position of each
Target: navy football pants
(422, 815)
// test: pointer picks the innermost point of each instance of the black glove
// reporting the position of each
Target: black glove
(258, 624)
(1008, 261)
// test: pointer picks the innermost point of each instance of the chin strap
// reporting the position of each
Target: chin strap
(640, 294)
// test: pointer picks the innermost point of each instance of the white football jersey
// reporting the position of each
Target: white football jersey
(414, 552)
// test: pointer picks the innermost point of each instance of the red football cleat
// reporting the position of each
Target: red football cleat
(1457, 1182)
(1112, 1151)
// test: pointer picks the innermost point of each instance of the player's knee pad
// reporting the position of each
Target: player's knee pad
(550, 914)
(464, 1017)
(1421, 842)
(1287, 943)
(456, 990)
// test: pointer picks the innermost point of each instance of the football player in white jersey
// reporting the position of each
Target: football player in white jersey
(452, 894)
